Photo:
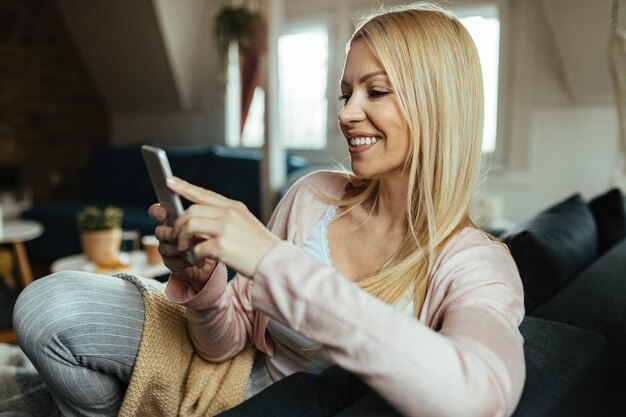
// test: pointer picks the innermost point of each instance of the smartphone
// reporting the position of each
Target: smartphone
(159, 169)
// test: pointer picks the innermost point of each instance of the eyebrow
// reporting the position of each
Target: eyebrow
(366, 76)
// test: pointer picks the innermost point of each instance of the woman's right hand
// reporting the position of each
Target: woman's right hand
(174, 260)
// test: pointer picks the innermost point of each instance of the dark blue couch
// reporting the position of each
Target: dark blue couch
(117, 176)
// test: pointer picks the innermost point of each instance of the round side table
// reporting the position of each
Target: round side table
(16, 232)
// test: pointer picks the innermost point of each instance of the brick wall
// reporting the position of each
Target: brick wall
(51, 115)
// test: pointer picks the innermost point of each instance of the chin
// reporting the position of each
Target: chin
(367, 172)
(363, 173)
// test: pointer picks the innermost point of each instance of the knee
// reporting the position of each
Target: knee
(42, 303)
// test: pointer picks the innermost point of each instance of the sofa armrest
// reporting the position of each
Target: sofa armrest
(565, 370)
(596, 299)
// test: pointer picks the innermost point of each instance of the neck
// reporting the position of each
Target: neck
(391, 204)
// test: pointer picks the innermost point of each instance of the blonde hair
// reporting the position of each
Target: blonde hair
(434, 70)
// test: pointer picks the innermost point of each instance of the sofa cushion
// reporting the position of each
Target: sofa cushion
(552, 247)
(186, 162)
(596, 300)
(118, 174)
(610, 215)
(565, 370)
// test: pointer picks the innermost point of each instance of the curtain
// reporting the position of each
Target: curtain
(251, 46)
(250, 80)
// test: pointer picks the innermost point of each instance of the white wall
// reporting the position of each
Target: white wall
(187, 39)
(166, 129)
(554, 146)
(571, 150)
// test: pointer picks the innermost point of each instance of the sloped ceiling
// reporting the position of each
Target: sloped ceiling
(581, 30)
(140, 57)
(121, 44)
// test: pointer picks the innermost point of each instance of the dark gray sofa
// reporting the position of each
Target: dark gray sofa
(596, 300)
(572, 260)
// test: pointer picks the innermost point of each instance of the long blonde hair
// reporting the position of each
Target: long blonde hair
(434, 69)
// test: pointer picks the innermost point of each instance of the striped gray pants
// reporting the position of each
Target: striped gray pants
(82, 332)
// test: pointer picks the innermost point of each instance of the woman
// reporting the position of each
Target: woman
(381, 273)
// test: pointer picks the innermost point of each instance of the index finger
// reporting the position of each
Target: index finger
(196, 194)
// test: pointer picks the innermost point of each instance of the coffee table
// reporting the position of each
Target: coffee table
(16, 232)
(136, 261)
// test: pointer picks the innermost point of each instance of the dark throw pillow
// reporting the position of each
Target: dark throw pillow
(610, 214)
(552, 247)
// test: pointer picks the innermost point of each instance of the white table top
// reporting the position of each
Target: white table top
(19, 230)
(136, 260)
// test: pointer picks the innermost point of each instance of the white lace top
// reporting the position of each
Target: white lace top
(292, 351)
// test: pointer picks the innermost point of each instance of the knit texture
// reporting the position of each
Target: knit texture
(169, 378)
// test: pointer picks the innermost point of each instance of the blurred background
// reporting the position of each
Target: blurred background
(77, 77)
(76, 74)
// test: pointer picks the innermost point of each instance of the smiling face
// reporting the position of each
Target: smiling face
(371, 120)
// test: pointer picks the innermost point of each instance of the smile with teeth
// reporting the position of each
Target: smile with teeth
(362, 141)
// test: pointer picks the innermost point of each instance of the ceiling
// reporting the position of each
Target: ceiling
(143, 55)
(581, 30)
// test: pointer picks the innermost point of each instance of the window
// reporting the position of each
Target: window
(303, 105)
(303, 56)
(484, 26)
(303, 75)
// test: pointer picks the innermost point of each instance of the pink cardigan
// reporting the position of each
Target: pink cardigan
(463, 357)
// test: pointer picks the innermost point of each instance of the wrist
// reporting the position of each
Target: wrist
(267, 245)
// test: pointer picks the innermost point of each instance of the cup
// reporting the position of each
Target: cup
(130, 240)
(151, 248)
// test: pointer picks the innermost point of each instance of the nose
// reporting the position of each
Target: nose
(352, 112)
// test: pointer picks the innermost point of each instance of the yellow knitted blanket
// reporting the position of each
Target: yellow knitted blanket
(169, 378)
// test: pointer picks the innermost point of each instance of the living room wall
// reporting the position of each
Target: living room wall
(51, 116)
(555, 145)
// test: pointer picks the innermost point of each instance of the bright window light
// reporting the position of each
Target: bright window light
(253, 133)
(303, 106)
(303, 76)
(484, 27)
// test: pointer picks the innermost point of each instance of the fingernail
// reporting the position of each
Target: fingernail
(172, 181)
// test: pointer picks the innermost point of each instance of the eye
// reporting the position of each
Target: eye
(378, 93)
(344, 98)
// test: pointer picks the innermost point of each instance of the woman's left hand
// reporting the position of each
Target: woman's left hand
(220, 228)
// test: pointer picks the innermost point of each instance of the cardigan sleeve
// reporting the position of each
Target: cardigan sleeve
(220, 318)
(470, 363)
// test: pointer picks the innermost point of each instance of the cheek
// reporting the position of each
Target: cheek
(395, 128)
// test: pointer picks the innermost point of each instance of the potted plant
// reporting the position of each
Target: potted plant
(101, 234)
(240, 24)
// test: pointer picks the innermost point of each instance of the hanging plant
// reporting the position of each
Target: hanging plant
(233, 23)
